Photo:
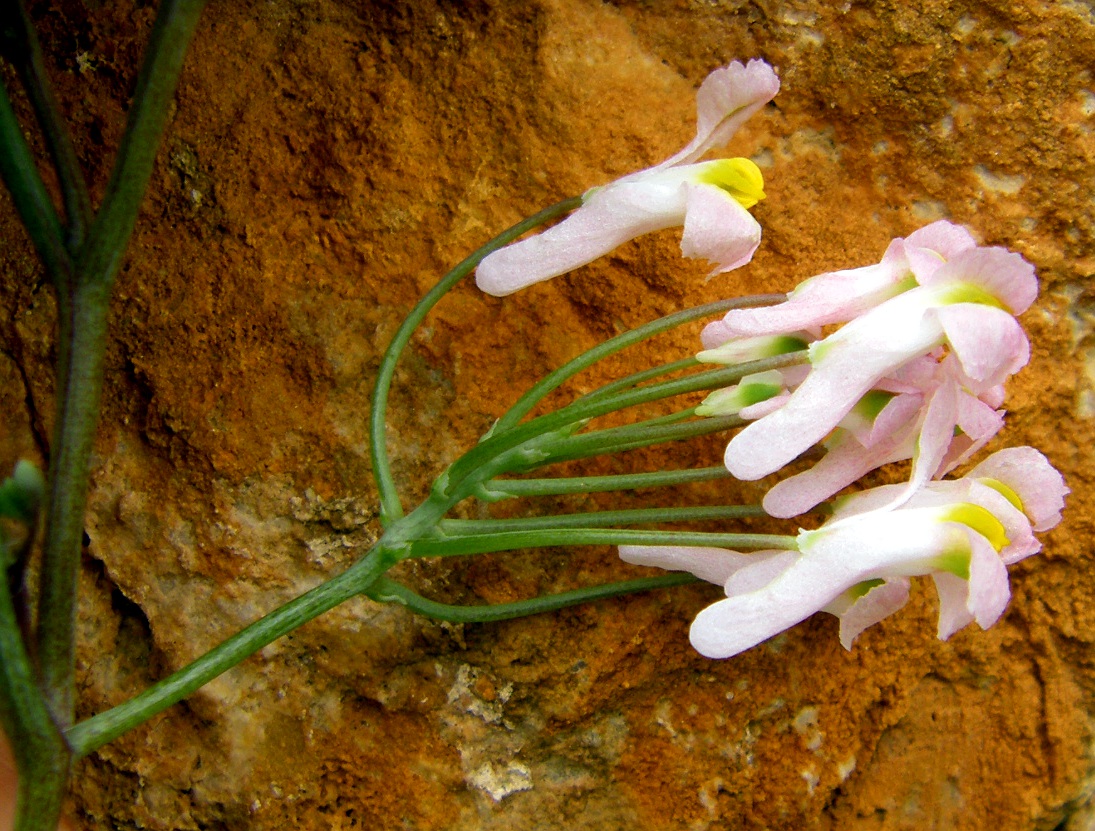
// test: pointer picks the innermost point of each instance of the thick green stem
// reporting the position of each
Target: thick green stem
(93, 733)
(510, 540)
(42, 757)
(74, 434)
(391, 508)
(84, 306)
(390, 591)
(497, 489)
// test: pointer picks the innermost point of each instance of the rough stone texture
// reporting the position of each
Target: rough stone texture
(326, 162)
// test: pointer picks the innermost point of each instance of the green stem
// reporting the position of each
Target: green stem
(459, 482)
(632, 437)
(28, 192)
(550, 382)
(599, 519)
(41, 754)
(633, 380)
(391, 508)
(84, 307)
(510, 540)
(94, 732)
(389, 591)
(497, 489)
(81, 380)
(175, 23)
(25, 51)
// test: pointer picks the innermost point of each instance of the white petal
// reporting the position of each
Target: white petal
(718, 229)
(611, 216)
(725, 100)
(715, 565)
(877, 604)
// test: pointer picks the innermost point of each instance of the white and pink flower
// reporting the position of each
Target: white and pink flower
(963, 533)
(710, 199)
(929, 337)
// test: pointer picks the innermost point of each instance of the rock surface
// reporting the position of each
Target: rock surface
(325, 164)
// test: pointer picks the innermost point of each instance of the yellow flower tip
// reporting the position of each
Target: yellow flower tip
(981, 521)
(1002, 489)
(741, 178)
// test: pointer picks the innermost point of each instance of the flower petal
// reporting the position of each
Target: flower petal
(835, 297)
(715, 565)
(1039, 486)
(1003, 274)
(953, 592)
(717, 228)
(931, 246)
(609, 217)
(725, 100)
(877, 604)
(842, 465)
(988, 342)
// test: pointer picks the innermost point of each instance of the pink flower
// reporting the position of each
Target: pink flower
(963, 533)
(930, 414)
(930, 338)
(710, 199)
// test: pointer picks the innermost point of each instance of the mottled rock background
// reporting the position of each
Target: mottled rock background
(325, 164)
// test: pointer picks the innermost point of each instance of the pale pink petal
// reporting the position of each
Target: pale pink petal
(953, 593)
(715, 334)
(862, 502)
(763, 568)
(979, 423)
(844, 463)
(899, 412)
(715, 565)
(725, 100)
(936, 434)
(988, 583)
(828, 298)
(982, 598)
(741, 622)
(877, 604)
(977, 419)
(930, 247)
(1003, 274)
(988, 342)
(1039, 486)
(717, 228)
(610, 216)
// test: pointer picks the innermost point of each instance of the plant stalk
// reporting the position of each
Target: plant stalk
(93, 733)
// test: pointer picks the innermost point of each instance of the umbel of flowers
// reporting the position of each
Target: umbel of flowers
(913, 370)
(916, 371)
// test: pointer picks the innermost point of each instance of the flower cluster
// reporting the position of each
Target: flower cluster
(915, 371)
(963, 533)
(710, 199)
(902, 360)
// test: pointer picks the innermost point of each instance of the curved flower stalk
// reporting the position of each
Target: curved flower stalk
(963, 533)
(931, 337)
(710, 199)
